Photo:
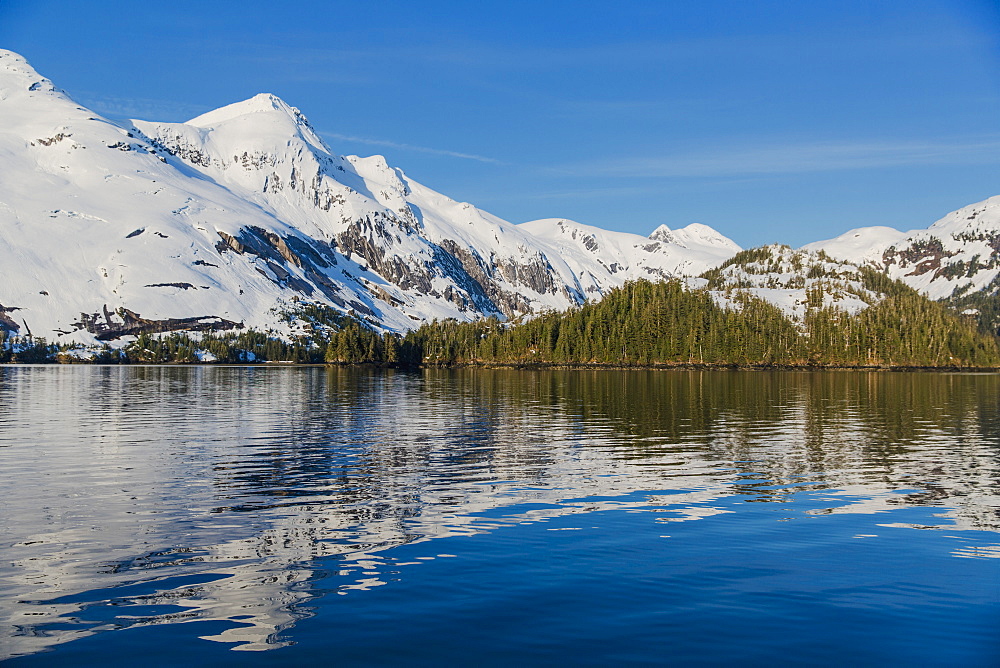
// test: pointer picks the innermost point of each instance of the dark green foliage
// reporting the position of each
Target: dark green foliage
(961, 268)
(226, 348)
(641, 324)
(26, 350)
(882, 284)
(356, 344)
(108, 355)
(986, 302)
(665, 324)
(911, 330)
(759, 255)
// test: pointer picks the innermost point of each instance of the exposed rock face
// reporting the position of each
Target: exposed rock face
(7, 324)
(279, 255)
(382, 241)
(106, 328)
(954, 263)
(923, 255)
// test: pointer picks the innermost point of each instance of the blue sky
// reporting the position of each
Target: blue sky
(770, 121)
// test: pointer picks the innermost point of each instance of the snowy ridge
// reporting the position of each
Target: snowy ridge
(626, 257)
(108, 229)
(695, 236)
(959, 254)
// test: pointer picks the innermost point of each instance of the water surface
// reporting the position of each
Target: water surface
(168, 515)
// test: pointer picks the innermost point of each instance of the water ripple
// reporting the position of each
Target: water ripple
(140, 496)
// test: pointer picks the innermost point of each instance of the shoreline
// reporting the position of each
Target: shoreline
(534, 366)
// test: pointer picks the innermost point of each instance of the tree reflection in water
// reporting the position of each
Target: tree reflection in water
(218, 493)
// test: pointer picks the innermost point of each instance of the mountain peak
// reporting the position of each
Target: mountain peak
(264, 117)
(17, 73)
(260, 103)
(662, 233)
(694, 235)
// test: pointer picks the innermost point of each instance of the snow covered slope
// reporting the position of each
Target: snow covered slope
(959, 254)
(625, 257)
(93, 219)
(793, 280)
(108, 229)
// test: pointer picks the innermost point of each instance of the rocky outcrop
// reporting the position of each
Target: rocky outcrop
(7, 324)
(313, 258)
(924, 255)
(106, 327)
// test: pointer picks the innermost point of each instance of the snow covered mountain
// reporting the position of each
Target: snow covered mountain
(665, 253)
(958, 255)
(109, 229)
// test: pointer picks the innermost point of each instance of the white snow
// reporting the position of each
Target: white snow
(621, 257)
(860, 246)
(967, 241)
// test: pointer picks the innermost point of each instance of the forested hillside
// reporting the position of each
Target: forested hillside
(653, 324)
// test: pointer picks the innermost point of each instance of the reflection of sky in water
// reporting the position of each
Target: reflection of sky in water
(178, 494)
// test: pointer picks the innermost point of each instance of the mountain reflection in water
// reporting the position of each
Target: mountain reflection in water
(140, 496)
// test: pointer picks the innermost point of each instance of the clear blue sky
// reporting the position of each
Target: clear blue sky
(771, 121)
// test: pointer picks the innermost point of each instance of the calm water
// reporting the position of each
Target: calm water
(225, 515)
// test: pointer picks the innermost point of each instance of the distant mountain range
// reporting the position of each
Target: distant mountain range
(110, 229)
